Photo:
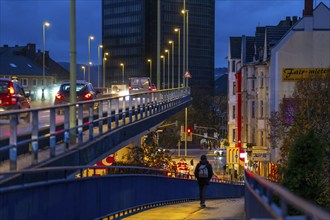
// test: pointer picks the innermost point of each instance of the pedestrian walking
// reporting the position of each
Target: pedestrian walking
(203, 174)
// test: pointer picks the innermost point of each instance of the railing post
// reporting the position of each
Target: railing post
(117, 113)
(123, 112)
(91, 124)
(52, 130)
(13, 142)
(34, 137)
(80, 124)
(66, 127)
(100, 117)
(109, 115)
(130, 109)
(141, 106)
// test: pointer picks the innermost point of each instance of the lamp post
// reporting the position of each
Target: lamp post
(172, 43)
(168, 68)
(163, 58)
(84, 70)
(178, 30)
(187, 63)
(98, 64)
(184, 43)
(104, 64)
(123, 71)
(89, 57)
(150, 69)
(44, 25)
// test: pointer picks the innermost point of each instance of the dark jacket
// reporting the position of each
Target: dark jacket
(204, 181)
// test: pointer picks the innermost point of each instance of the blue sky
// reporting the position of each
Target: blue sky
(21, 23)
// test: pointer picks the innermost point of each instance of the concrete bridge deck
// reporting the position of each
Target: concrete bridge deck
(215, 209)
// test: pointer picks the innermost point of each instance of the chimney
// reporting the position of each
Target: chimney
(308, 10)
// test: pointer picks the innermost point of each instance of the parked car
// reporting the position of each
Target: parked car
(85, 92)
(13, 96)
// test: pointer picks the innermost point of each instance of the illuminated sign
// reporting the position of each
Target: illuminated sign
(295, 74)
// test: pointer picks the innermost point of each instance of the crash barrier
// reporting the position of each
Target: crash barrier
(63, 195)
(266, 200)
(75, 128)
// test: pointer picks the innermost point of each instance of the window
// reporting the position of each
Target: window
(261, 138)
(253, 84)
(234, 88)
(234, 135)
(234, 111)
(34, 82)
(252, 109)
(261, 109)
(24, 82)
(233, 66)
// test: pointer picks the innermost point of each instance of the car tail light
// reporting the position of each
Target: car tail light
(129, 87)
(58, 96)
(88, 96)
(149, 87)
(11, 90)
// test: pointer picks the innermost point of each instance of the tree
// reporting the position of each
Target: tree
(307, 110)
(304, 174)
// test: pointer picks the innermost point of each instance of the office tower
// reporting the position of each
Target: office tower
(129, 32)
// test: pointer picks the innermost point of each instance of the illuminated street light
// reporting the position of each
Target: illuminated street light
(168, 68)
(163, 58)
(89, 57)
(172, 43)
(104, 64)
(98, 64)
(150, 69)
(123, 71)
(44, 25)
(84, 70)
(178, 30)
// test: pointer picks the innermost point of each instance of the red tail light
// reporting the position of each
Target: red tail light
(149, 87)
(59, 96)
(88, 96)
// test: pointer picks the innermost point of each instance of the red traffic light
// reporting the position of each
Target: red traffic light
(188, 130)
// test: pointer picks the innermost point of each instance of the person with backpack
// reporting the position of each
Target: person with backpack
(203, 174)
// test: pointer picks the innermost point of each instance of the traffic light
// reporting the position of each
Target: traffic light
(189, 134)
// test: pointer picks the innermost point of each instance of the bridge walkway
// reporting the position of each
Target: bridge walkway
(232, 208)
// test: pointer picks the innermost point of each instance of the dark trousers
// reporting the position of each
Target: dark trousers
(202, 191)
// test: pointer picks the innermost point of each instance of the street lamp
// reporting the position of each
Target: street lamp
(44, 25)
(104, 64)
(123, 71)
(178, 30)
(84, 70)
(168, 68)
(98, 64)
(89, 57)
(172, 42)
(150, 68)
(184, 42)
(187, 63)
(163, 58)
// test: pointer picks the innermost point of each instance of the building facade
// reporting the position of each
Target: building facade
(262, 83)
(129, 33)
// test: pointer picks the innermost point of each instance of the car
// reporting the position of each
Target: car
(153, 88)
(13, 96)
(85, 92)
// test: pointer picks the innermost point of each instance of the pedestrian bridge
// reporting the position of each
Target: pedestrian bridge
(58, 152)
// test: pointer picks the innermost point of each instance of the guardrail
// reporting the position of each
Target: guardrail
(264, 199)
(112, 113)
(59, 194)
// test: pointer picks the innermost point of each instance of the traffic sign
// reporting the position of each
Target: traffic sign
(187, 74)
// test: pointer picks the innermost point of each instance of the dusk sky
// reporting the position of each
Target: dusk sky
(21, 23)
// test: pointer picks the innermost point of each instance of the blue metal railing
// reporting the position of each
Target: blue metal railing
(260, 201)
(112, 113)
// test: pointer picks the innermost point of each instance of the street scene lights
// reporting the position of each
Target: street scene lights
(89, 57)
(184, 44)
(168, 68)
(150, 69)
(163, 58)
(104, 64)
(44, 25)
(123, 72)
(172, 43)
(98, 64)
(178, 30)
(84, 70)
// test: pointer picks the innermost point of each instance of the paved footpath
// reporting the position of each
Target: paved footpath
(224, 209)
